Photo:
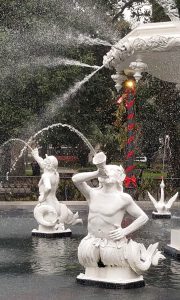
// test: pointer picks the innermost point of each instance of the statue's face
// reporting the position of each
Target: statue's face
(47, 164)
(115, 174)
(50, 163)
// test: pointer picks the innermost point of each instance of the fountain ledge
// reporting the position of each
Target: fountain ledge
(171, 251)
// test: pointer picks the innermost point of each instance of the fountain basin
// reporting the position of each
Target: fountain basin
(38, 268)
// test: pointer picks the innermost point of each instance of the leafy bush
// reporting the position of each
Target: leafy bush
(68, 191)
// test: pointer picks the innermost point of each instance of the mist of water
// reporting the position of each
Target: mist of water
(85, 39)
(21, 51)
(54, 24)
(48, 61)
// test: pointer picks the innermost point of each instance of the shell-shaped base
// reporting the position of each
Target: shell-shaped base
(104, 278)
(111, 277)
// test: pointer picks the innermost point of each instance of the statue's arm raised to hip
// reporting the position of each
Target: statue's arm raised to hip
(135, 211)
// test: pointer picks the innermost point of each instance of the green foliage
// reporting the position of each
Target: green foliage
(26, 92)
(67, 191)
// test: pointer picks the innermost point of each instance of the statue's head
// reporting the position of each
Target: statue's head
(115, 174)
(50, 162)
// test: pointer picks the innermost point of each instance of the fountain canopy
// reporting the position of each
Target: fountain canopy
(152, 47)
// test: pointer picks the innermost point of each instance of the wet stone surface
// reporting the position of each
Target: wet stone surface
(38, 268)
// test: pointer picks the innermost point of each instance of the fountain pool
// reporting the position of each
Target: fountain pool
(37, 268)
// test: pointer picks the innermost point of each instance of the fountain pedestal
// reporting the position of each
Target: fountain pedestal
(111, 277)
(49, 232)
(157, 215)
(173, 249)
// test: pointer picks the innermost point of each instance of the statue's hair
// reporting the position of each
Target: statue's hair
(119, 170)
(119, 175)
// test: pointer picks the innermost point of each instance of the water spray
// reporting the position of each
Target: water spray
(166, 147)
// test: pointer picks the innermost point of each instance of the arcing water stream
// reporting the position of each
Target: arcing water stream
(60, 101)
(32, 138)
(14, 140)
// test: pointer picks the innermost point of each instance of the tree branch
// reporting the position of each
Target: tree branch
(126, 5)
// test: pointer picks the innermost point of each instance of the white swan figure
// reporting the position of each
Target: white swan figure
(162, 206)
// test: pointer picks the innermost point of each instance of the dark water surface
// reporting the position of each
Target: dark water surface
(37, 268)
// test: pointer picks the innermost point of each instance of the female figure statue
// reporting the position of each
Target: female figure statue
(50, 214)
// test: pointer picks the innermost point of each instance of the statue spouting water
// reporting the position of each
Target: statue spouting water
(107, 254)
(50, 214)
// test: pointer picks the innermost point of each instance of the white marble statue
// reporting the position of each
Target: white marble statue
(50, 214)
(163, 207)
(106, 253)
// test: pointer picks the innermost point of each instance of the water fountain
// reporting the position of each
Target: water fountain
(152, 48)
(137, 258)
(111, 259)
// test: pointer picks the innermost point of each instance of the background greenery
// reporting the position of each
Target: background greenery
(26, 92)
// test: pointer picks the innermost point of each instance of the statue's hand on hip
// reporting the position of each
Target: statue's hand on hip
(118, 233)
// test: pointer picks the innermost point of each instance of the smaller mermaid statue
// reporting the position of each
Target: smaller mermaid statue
(50, 214)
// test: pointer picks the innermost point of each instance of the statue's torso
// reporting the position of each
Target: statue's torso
(105, 210)
(53, 179)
